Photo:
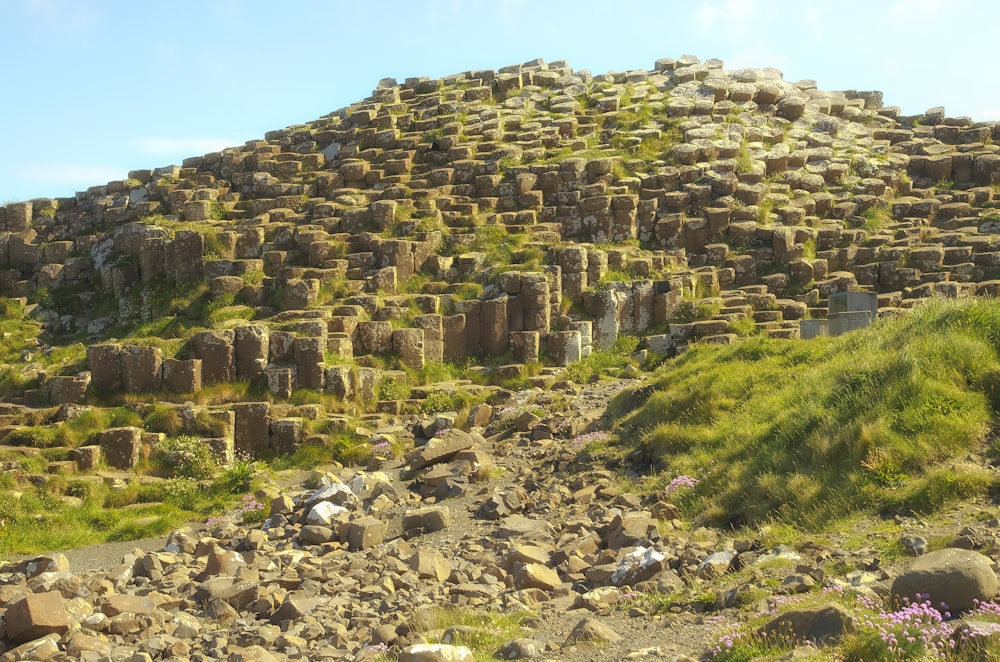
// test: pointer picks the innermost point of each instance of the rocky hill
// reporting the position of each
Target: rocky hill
(424, 275)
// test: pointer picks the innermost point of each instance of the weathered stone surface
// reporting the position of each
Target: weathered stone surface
(37, 615)
(104, 362)
(218, 357)
(435, 653)
(252, 432)
(426, 520)
(121, 447)
(430, 564)
(251, 345)
(440, 449)
(68, 389)
(822, 624)
(365, 532)
(956, 577)
(182, 376)
(536, 575)
(141, 368)
(591, 629)
(409, 345)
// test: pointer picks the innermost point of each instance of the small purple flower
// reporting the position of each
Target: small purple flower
(382, 450)
(682, 481)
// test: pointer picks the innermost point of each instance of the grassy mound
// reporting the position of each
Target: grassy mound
(811, 431)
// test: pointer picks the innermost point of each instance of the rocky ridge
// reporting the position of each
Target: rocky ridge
(530, 215)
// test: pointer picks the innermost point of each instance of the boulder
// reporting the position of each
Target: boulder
(430, 564)
(426, 520)
(37, 615)
(956, 577)
(825, 623)
(591, 629)
(365, 532)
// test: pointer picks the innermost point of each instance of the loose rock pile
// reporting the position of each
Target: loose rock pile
(362, 559)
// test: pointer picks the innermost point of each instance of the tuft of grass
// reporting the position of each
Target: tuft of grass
(604, 362)
(812, 431)
(482, 631)
(875, 219)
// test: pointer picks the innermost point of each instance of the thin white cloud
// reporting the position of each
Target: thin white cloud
(986, 114)
(173, 146)
(64, 17)
(727, 17)
(917, 10)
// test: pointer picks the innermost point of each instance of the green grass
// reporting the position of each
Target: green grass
(812, 431)
(604, 362)
(40, 521)
(482, 631)
(875, 219)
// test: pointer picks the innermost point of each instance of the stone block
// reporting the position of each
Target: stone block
(300, 293)
(223, 449)
(564, 347)
(104, 362)
(430, 564)
(339, 381)
(281, 380)
(383, 213)
(340, 345)
(252, 427)
(86, 457)
(68, 389)
(141, 368)
(217, 354)
(226, 285)
(122, 447)
(310, 362)
(453, 337)
(152, 258)
(409, 345)
(286, 434)
(494, 327)
(251, 345)
(281, 346)
(37, 615)
(197, 210)
(19, 216)
(182, 376)
(524, 345)
(365, 532)
(367, 379)
(426, 520)
(374, 337)
(184, 256)
(440, 449)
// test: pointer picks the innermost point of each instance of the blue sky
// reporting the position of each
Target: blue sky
(93, 89)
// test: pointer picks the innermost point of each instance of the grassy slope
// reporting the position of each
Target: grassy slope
(810, 431)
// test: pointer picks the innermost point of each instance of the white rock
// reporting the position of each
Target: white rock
(325, 512)
(435, 653)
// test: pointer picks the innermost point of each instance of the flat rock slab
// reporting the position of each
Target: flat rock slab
(440, 449)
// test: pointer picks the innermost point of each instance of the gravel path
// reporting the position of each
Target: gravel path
(102, 557)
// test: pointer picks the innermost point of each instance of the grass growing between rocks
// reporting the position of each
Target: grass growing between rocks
(879, 631)
(608, 362)
(483, 632)
(813, 431)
